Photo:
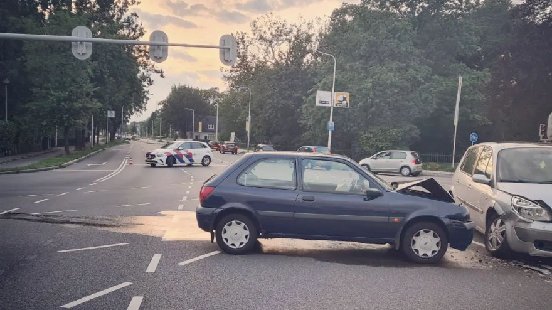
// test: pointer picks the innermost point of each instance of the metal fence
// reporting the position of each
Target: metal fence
(438, 158)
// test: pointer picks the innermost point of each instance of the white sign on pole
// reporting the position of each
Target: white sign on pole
(341, 100)
(110, 113)
(323, 98)
(232, 136)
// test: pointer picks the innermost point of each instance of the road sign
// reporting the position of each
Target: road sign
(81, 50)
(341, 100)
(229, 52)
(331, 126)
(158, 53)
(110, 113)
(474, 137)
(323, 98)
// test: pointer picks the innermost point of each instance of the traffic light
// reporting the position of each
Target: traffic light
(158, 53)
(81, 50)
(229, 50)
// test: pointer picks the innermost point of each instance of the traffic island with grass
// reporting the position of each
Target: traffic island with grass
(438, 167)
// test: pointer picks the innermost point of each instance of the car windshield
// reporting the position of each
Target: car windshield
(525, 165)
(172, 146)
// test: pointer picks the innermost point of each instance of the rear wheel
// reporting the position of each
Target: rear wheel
(424, 243)
(206, 161)
(495, 237)
(236, 234)
(405, 171)
(170, 161)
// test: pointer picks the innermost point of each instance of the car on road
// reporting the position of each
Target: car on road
(507, 188)
(229, 147)
(314, 149)
(407, 163)
(180, 152)
(214, 145)
(294, 195)
(264, 148)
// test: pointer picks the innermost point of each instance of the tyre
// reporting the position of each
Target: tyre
(153, 165)
(405, 171)
(221, 151)
(206, 161)
(495, 237)
(170, 161)
(424, 243)
(415, 174)
(236, 234)
(235, 153)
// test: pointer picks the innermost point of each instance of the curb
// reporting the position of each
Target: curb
(76, 160)
(436, 173)
(27, 156)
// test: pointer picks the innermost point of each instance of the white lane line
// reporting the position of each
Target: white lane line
(79, 188)
(153, 263)
(8, 211)
(84, 170)
(96, 295)
(180, 207)
(126, 205)
(135, 303)
(62, 194)
(42, 200)
(35, 213)
(115, 172)
(87, 192)
(71, 210)
(144, 204)
(200, 257)
(478, 243)
(189, 187)
(144, 187)
(187, 192)
(32, 195)
(184, 198)
(92, 184)
(93, 247)
(51, 212)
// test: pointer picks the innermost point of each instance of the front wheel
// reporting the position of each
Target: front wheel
(153, 165)
(495, 237)
(236, 234)
(424, 243)
(405, 171)
(170, 161)
(206, 161)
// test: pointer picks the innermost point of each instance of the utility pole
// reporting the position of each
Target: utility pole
(330, 123)
(193, 121)
(248, 124)
(160, 120)
(6, 82)
(216, 124)
(152, 127)
(122, 120)
(107, 130)
(456, 116)
(91, 136)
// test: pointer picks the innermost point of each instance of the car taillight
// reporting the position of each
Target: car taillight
(205, 192)
(414, 162)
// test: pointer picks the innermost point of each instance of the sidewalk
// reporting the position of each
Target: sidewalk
(22, 160)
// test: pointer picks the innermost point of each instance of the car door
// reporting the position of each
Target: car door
(463, 180)
(396, 160)
(377, 163)
(184, 153)
(333, 202)
(480, 195)
(198, 151)
(269, 187)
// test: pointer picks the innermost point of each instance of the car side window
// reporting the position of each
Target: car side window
(270, 173)
(469, 160)
(398, 155)
(484, 164)
(197, 145)
(186, 145)
(332, 177)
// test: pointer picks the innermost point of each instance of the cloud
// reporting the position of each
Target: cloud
(160, 20)
(231, 16)
(181, 8)
(256, 6)
(180, 53)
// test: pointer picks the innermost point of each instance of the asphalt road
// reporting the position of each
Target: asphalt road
(113, 233)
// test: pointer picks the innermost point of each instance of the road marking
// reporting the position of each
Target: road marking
(97, 164)
(79, 188)
(8, 211)
(35, 213)
(184, 198)
(180, 207)
(42, 200)
(189, 187)
(90, 191)
(153, 263)
(144, 187)
(135, 303)
(96, 295)
(126, 205)
(62, 194)
(187, 192)
(200, 257)
(144, 204)
(91, 184)
(478, 243)
(115, 172)
(32, 195)
(50, 212)
(71, 210)
(93, 247)
(85, 170)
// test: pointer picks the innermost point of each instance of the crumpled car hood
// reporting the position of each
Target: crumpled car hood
(434, 190)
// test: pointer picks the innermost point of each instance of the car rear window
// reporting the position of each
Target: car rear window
(270, 173)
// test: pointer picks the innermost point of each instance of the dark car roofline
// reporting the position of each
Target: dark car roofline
(296, 154)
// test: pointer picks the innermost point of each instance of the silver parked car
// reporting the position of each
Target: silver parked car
(403, 162)
(508, 189)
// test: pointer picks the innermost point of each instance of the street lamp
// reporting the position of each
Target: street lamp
(193, 120)
(331, 102)
(6, 82)
(248, 125)
(212, 101)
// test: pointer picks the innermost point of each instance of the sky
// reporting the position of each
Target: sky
(203, 22)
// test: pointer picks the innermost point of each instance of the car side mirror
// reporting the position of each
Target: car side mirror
(180, 148)
(372, 193)
(481, 179)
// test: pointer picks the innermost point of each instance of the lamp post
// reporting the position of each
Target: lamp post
(213, 101)
(193, 120)
(331, 100)
(6, 82)
(248, 125)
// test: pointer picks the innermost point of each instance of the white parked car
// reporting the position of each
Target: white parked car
(507, 187)
(403, 162)
(181, 152)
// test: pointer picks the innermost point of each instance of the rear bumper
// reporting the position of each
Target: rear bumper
(205, 218)
(533, 238)
(460, 234)
(416, 168)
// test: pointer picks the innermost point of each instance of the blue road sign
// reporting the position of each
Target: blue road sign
(474, 137)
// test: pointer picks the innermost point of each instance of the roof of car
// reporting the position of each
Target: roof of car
(514, 144)
(297, 154)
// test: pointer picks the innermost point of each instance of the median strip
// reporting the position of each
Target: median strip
(96, 295)
(93, 247)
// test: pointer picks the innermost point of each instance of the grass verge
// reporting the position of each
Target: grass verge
(438, 167)
(59, 160)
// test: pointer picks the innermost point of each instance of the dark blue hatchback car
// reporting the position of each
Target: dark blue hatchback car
(325, 197)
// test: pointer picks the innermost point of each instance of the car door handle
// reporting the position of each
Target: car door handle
(307, 198)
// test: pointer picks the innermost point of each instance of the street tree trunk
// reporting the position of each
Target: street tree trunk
(66, 139)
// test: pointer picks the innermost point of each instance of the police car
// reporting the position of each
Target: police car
(181, 152)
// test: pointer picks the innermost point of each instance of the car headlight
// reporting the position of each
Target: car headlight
(530, 210)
